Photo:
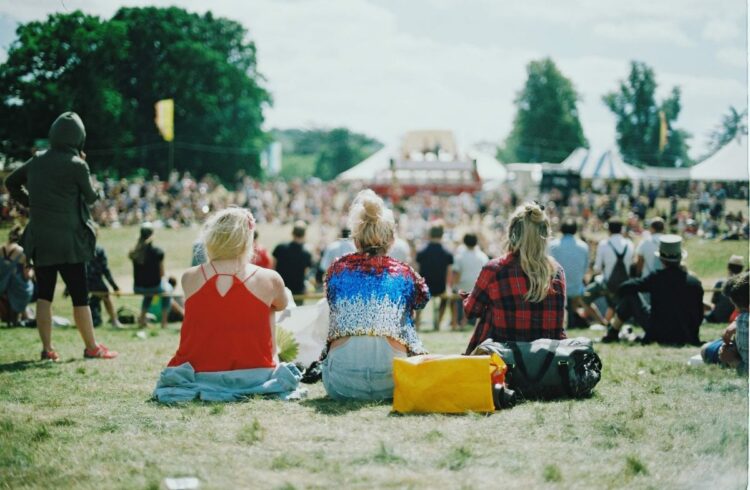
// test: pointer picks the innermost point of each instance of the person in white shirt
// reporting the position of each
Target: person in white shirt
(467, 265)
(607, 252)
(400, 250)
(646, 260)
(336, 249)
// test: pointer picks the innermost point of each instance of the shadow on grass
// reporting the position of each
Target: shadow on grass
(12, 367)
(329, 406)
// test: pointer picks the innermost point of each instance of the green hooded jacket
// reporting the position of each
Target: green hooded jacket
(56, 187)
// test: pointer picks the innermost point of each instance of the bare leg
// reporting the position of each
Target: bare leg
(441, 311)
(111, 310)
(617, 323)
(44, 322)
(85, 324)
(164, 317)
(454, 316)
(593, 312)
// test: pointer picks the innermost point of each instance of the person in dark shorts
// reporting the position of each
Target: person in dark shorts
(293, 260)
(434, 265)
(148, 275)
(59, 238)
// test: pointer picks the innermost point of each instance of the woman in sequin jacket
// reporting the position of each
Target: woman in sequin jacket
(372, 299)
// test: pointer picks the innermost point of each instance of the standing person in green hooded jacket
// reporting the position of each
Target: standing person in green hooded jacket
(56, 187)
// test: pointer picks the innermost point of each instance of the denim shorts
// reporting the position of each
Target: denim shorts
(360, 369)
(150, 292)
(710, 352)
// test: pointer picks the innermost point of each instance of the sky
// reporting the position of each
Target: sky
(383, 67)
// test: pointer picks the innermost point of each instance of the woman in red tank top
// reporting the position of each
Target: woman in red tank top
(229, 303)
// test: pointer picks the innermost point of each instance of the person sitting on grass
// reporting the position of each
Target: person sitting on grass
(721, 306)
(372, 298)
(676, 310)
(521, 294)
(148, 275)
(732, 348)
(97, 271)
(227, 344)
(16, 286)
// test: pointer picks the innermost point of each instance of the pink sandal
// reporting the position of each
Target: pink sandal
(50, 355)
(101, 352)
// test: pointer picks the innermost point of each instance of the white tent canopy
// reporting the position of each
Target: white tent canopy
(727, 164)
(488, 168)
(667, 173)
(594, 164)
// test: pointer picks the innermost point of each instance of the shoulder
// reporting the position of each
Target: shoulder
(270, 276)
(191, 280)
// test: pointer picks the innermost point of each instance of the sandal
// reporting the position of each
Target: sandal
(50, 355)
(101, 352)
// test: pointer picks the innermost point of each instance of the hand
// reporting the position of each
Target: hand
(463, 294)
(82, 155)
(117, 292)
(729, 333)
(728, 355)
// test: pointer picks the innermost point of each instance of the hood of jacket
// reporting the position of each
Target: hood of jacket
(67, 132)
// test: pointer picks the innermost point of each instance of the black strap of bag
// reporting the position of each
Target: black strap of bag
(548, 358)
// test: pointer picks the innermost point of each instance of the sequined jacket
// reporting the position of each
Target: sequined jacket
(375, 295)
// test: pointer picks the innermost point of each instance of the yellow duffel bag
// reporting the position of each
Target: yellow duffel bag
(444, 384)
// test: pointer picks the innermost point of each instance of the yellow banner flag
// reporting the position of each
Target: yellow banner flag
(662, 131)
(165, 118)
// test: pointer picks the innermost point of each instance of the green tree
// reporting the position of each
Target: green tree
(112, 72)
(733, 125)
(67, 62)
(639, 122)
(546, 127)
(341, 150)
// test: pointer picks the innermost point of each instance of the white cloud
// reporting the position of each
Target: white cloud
(720, 30)
(3, 55)
(643, 32)
(356, 63)
(733, 57)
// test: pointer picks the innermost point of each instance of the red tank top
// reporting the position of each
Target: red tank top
(224, 333)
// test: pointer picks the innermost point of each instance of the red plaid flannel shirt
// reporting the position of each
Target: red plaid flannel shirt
(498, 301)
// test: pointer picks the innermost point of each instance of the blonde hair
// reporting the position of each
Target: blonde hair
(371, 223)
(527, 236)
(228, 234)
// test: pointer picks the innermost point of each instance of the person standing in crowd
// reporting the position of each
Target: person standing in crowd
(260, 257)
(97, 271)
(676, 310)
(732, 348)
(466, 268)
(148, 275)
(338, 248)
(372, 298)
(400, 250)
(229, 321)
(434, 265)
(16, 286)
(293, 259)
(59, 237)
(646, 259)
(613, 258)
(721, 306)
(521, 294)
(573, 255)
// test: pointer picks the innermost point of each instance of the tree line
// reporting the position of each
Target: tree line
(112, 71)
(546, 126)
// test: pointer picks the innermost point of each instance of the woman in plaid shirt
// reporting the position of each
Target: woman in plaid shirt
(521, 294)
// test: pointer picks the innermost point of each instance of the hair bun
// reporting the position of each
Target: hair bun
(371, 210)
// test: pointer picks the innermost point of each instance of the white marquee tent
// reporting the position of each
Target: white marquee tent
(727, 164)
(607, 165)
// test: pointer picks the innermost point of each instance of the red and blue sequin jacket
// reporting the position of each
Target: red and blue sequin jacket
(375, 295)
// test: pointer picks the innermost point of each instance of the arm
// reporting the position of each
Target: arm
(108, 273)
(15, 182)
(479, 299)
(421, 292)
(599, 260)
(639, 265)
(83, 180)
(280, 299)
(637, 285)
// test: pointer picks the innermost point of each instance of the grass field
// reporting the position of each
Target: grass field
(653, 422)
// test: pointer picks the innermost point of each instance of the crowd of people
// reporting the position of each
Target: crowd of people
(509, 279)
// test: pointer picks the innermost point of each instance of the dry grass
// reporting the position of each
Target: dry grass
(653, 422)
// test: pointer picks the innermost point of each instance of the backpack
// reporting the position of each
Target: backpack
(548, 368)
(619, 272)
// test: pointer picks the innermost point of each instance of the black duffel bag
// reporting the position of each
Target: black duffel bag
(547, 368)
